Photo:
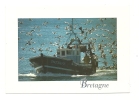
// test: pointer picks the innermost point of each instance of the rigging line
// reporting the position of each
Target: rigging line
(72, 29)
(69, 37)
(77, 23)
(71, 32)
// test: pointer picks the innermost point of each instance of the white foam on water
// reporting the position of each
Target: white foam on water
(44, 74)
(29, 75)
(98, 73)
(52, 74)
(104, 72)
(78, 75)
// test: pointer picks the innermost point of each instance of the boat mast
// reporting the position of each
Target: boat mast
(74, 32)
(72, 29)
(72, 26)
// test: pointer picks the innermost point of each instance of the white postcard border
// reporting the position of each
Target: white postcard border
(123, 50)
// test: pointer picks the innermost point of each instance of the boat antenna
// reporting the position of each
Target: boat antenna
(72, 26)
(73, 31)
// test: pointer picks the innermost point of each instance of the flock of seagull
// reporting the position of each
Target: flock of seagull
(84, 33)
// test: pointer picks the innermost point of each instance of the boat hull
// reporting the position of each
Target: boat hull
(59, 65)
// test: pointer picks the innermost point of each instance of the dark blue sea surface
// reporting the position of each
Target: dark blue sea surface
(36, 35)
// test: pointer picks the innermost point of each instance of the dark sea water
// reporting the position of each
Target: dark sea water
(38, 35)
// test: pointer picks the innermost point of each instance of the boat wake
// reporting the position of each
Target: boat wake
(46, 74)
(99, 75)
(104, 72)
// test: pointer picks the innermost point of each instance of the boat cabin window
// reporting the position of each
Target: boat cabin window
(63, 53)
(58, 52)
(78, 53)
(69, 52)
(74, 52)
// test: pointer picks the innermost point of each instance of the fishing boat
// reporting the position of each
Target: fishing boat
(67, 60)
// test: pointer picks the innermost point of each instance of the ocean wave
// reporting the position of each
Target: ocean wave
(98, 73)
(46, 74)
